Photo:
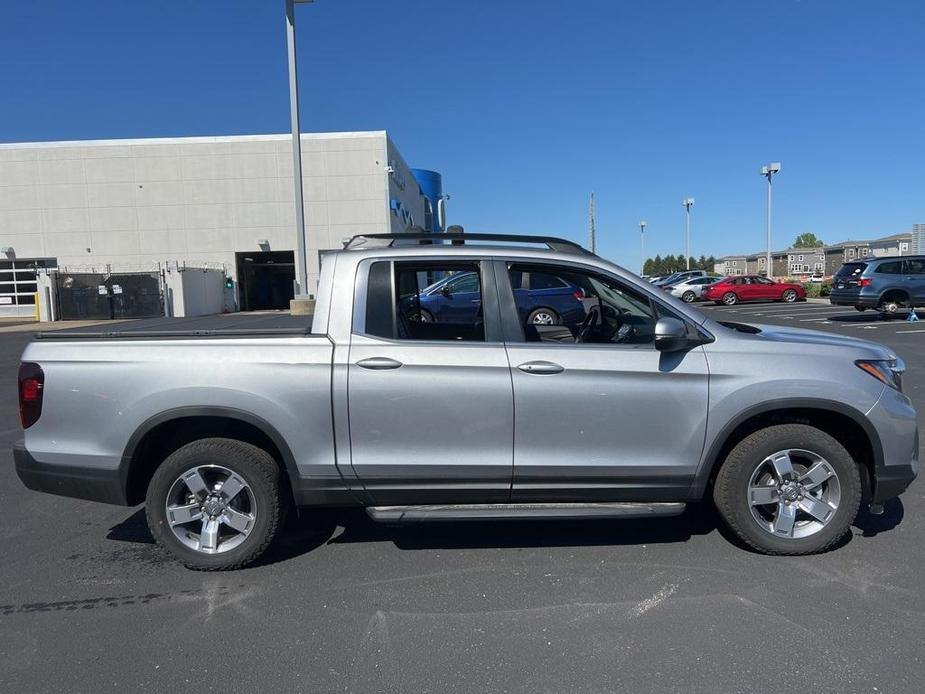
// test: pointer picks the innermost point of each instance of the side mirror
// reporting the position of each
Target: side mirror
(446, 292)
(671, 335)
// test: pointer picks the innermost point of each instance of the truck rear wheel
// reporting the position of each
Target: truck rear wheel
(215, 504)
(788, 489)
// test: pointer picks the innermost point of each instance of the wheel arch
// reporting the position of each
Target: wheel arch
(895, 293)
(861, 440)
(162, 434)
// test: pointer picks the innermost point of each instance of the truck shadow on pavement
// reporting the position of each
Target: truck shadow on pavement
(311, 529)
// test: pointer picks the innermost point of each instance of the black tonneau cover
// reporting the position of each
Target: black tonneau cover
(227, 325)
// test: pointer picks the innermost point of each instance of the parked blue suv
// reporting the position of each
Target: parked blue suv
(886, 284)
(542, 299)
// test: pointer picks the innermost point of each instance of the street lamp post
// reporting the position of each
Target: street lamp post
(768, 171)
(642, 247)
(301, 281)
(688, 203)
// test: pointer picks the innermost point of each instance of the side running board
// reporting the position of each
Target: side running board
(526, 511)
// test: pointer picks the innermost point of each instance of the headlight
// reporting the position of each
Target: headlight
(887, 371)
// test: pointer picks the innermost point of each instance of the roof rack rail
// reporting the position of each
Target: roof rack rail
(387, 240)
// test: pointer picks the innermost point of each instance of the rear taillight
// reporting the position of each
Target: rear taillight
(31, 389)
(864, 281)
(579, 295)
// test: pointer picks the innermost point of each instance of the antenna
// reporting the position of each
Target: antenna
(591, 240)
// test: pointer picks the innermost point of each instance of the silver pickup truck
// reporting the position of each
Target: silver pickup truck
(479, 377)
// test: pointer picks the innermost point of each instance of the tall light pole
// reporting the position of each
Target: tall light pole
(301, 263)
(768, 171)
(642, 247)
(592, 238)
(688, 204)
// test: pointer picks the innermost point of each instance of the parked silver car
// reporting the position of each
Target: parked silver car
(691, 289)
(642, 407)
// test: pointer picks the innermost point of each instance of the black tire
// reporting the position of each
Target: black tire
(254, 466)
(860, 309)
(730, 299)
(688, 297)
(890, 306)
(730, 491)
(537, 313)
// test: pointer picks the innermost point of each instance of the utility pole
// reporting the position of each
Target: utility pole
(591, 237)
(642, 247)
(688, 203)
(301, 288)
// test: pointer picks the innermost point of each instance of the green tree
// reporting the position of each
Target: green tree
(808, 240)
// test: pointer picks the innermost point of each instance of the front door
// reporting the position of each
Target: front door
(430, 403)
(915, 280)
(763, 288)
(600, 414)
(461, 298)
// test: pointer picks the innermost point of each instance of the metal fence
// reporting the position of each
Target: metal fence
(102, 295)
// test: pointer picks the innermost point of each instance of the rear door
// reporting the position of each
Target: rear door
(430, 404)
(607, 417)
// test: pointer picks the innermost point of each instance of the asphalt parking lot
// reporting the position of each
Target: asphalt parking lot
(88, 603)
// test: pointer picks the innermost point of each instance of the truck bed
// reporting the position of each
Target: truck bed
(226, 325)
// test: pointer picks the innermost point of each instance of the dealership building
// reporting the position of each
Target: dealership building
(220, 203)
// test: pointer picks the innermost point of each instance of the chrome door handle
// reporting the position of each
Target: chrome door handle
(476, 301)
(541, 367)
(378, 363)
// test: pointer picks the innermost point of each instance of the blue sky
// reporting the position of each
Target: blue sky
(525, 106)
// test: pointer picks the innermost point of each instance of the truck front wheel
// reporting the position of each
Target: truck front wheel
(788, 489)
(215, 504)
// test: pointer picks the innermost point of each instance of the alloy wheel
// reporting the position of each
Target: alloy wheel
(211, 509)
(729, 298)
(793, 493)
(789, 296)
(543, 318)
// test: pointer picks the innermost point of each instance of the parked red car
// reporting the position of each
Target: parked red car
(732, 290)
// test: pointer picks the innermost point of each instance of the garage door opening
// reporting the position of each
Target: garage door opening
(265, 279)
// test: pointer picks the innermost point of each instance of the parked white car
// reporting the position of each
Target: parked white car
(690, 290)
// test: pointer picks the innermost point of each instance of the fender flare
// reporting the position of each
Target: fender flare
(709, 461)
(206, 411)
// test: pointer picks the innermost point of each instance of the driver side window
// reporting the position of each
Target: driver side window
(581, 307)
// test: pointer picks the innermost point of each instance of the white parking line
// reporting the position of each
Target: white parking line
(821, 309)
(906, 332)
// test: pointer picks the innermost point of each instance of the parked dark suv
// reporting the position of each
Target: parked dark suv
(886, 284)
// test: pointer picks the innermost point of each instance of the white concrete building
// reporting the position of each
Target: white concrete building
(132, 204)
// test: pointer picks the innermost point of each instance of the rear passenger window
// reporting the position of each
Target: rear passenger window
(894, 268)
(425, 301)
(915, 266)
(542, 280)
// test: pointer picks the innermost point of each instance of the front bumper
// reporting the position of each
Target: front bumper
(93, 484)
(894, 419)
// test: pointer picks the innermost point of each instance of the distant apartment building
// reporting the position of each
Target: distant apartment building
(803, 262)
(918, 238)
(731, 265)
